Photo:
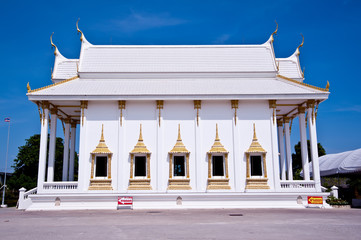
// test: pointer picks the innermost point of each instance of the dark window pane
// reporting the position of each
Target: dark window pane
(256, 166)
(217, 162)
(140, 166)
(101, 166)
(179, 169)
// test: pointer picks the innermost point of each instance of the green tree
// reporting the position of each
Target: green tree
(297, 159)
(27, 162)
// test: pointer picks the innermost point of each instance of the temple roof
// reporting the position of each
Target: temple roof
(175, 59)
(173, 88)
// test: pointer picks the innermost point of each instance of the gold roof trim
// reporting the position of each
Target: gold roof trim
(179, 146)
(52, 85)
(303, 84)
(140, 146)
(255, 145)
(102, 148)
(217, 145)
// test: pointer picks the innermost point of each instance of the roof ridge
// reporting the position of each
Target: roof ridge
(303, 84)
(52, 85)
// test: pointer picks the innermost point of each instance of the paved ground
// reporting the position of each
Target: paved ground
(182, 224)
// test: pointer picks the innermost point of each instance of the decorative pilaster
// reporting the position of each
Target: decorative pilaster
(160, 104)
(272, 105)
(83, 105)
(52, 144)
(66, 150)
(197, 105)
(72, 151)
(234, 104)
(303, 136)
(43, 145)
(286, 121)
(281, 145)
(121, 105)
(313, 145)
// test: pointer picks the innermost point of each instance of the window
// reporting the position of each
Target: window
(101, 166)
(140, 168)
(179, 168)
(218, 166)
(256, 166)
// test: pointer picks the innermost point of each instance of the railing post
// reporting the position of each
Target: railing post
(21, 198)
(334, 191)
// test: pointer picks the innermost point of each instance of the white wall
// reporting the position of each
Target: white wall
(160, 140)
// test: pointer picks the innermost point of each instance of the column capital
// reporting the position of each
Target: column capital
(197, 104)
(73, 124)
(54, 110)
(272, 103)
(67, 120)
(121, 104)
(286, 119)
(45, 105)
(234, 103)
(84, 104)
(301, 109)
(160, 104)
(311, 103)
(279, 122)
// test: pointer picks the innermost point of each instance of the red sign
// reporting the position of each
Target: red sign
(314, 200)
(125, 201)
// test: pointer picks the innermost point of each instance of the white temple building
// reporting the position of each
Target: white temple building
(185, 126)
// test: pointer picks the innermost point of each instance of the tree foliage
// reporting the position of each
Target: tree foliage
(27, 162)
(297, 159)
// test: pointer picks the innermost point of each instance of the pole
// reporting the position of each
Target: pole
(6, 164)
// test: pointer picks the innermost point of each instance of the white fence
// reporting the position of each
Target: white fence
(298, 186)
(60, 186)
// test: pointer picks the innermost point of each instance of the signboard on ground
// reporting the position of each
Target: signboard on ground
(314, 200)
(125, 202)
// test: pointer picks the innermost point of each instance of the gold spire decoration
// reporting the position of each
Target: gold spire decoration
(301, 45)
(327, 86)
(52, 44)
(179, 146)
(102, 148)
(217, 145)
(255, 145)
(28, 87)
(275, 32)
(79, 31)
(140, 146)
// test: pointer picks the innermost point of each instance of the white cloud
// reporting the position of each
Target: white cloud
(222, 39)
(142, 21)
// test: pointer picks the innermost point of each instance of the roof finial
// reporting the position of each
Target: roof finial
(301, 45)
(275, 32)
(52, 44)
(102, 136)
(327, 86)
(79, 31)
(28, 87)
(179, 134)
(217, 136)
(254, 132)
(140, 134)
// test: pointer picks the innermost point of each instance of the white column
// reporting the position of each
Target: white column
(43, 146)
(303, 136)
(160, 161)
(72, 151)
(52, 144)
(286, 120)
(281, 146)
(275, 159)
(66, 150)
(84, 157)
(198, 149)
(313, 145)
(236, 151)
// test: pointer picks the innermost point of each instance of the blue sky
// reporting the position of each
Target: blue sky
(331, 51)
